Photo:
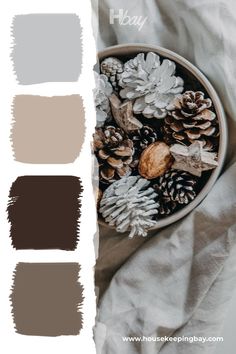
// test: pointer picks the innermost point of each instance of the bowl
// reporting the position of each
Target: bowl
(125, 52)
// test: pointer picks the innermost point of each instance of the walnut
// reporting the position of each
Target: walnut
(155, 160)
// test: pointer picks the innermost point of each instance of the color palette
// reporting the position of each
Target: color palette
(46, 298)
(47, 129)
(47, 48)
(44, 210)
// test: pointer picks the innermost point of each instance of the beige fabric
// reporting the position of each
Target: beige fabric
(180, 280)
(114, 250)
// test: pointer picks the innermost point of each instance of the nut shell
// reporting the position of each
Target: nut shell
(155, 160)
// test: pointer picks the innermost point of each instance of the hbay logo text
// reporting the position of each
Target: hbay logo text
(125, 19)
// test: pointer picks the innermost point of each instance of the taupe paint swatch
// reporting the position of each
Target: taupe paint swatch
(47, 129)
(46, 298)
(47, 48)
(44, 212)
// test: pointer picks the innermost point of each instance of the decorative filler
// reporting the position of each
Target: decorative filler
(123, 115)
(102, 91)
(112, 68)
(151, 168)
(153, 84)
(192, 120)
(177, 186)
(155, 160)
(193, 159)
(114, 151)
(167, 206)
(129, 205)
(144, 137)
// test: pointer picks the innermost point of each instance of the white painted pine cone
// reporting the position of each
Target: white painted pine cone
(151, 83)
(129, 205)
(102, 91)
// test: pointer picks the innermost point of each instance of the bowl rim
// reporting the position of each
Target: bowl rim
(132, 48)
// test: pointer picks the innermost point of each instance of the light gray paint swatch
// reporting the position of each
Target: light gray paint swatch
(47, 48)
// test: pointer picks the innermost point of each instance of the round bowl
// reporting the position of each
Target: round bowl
(130, 50)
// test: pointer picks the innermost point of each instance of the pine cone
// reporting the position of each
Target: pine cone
(177, 186)
(130, 204)
(166, 205)
(141, 139)
(114, 151)
(102, 91)
(151, 83)
(112, 68)
(144, 137)
(191, 120)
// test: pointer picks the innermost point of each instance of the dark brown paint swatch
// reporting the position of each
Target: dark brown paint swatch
(46, 299)
(44, 212)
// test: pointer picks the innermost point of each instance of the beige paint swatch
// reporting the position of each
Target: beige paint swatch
(47, 129)
(46, 298)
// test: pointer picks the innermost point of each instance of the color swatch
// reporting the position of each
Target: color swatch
(44, 212)
(46, 298)
(47, 48)
(47, 129)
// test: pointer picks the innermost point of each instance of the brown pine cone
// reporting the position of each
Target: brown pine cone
(192, 120)
(176, 186)
(114, 151)
(144, 137)
(166, 205)
(112, 68)
(141, 139)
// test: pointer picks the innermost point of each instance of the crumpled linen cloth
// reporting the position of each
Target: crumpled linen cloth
(179, 280)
